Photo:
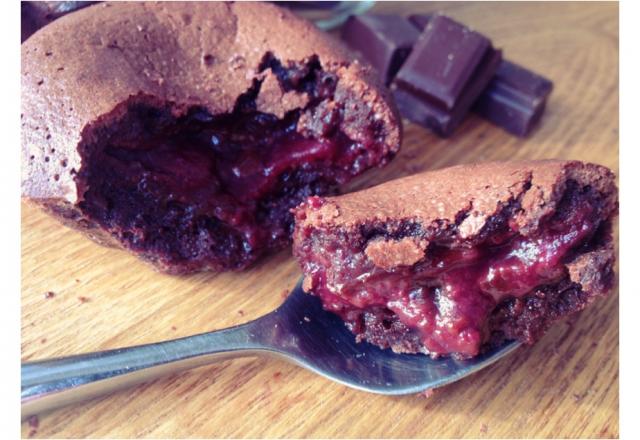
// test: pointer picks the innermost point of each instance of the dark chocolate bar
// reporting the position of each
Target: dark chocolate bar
(420, 20)
(308, 5)
(36, 14)
(515, 98)
(384, 40)
(444, 59)
(448, 68)
(441, 120)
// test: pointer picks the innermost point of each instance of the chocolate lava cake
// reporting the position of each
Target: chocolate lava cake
(455, 260)
(185, 132)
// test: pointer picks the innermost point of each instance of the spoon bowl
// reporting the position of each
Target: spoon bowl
(319, 341)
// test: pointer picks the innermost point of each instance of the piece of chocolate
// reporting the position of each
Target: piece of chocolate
(36, 14)
(384, 40)
(308, 5)
(445, 58)
(185, 132)
(453, 260)
(420, 20)
(437, 118)
(515, 98)
(448, 68)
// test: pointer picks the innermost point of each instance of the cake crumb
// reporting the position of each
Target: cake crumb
(388, 254)
(241, 312)
(285, 293)
(43, 340)
(33, 422)
(277, 375)
(484, 428)
(83, 299)
(427, 393)
(577, 397)
(77, 280)
(50, 294)
(174, 328)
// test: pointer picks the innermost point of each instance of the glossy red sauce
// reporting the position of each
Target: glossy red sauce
(448, 296)
(214, 190)
(228, 181)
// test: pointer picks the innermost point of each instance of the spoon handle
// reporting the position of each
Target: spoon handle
(56, 382)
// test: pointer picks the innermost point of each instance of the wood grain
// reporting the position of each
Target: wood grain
(565, 386)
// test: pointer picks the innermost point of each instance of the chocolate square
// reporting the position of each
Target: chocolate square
(384, 40)
(443, 60)
(515, 99)
(433, 115)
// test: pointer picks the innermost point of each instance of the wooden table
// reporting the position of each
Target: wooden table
(565, 386)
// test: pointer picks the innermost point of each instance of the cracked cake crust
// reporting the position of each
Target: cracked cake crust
(462, 196)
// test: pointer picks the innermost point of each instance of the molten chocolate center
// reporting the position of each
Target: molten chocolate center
(211, 190)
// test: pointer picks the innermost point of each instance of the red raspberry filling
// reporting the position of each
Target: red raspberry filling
(213, 191)
(448, 296)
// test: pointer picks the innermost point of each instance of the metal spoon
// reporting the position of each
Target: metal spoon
(299, 331)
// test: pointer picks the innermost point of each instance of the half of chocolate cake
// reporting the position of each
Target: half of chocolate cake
(450, 261)
(185, 132)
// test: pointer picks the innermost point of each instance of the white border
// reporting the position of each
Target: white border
(629, 219)
(10, 219)
(629, 214)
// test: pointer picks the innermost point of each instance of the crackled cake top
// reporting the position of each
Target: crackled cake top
(466, 195)
(82, 66)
